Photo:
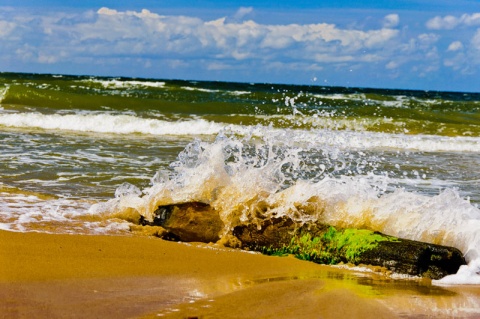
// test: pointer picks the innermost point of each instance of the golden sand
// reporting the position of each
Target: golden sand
(74, 276)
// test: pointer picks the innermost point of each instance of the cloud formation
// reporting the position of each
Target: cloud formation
(145, 33)
(450, 22)
(455, 46)
(391, 20)
(150, 40)
(242, 13)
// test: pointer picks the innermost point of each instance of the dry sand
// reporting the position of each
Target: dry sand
(74, 276)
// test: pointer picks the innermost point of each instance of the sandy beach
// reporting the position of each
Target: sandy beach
(75, 276)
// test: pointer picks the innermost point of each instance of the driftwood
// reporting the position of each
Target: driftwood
(317, 242)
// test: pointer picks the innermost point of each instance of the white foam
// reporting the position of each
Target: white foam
(189, 88)
(396, 101)
(241, 186)
(466, 275)
(239, 92)
(125, 84)
(3, 92)
(377, 140)
(344, 139)
(445, 219)
(127, 189)
(26, 212)
(107, 123)
(340, 96)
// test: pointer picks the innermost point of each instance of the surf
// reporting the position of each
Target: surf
(242, 177)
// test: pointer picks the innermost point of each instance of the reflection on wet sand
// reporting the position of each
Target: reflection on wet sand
(331, 293)
(62, 276)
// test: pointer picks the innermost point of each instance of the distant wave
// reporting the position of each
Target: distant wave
(131, 124)
(107, 123)
(189, 88)
(125, 84)
(379, 140)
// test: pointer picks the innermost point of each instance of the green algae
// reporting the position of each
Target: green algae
(332, 246)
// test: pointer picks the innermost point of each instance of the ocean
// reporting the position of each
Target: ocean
(85, 155)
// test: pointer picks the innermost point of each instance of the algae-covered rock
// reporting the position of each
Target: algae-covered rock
(324, 244)
(313, 241)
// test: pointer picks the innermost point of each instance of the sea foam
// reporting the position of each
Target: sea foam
(130, 124)
(115, 84)
(247, 180)
(107, 123)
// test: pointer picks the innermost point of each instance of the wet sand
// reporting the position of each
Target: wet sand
(75, 276)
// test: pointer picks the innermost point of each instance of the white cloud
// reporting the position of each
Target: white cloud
(438, 23)
(471, 19)
(49, 59)
(326, 58)
(427, 39)
(378, 38)
(392, 65)
(6, 28)
(476, 40)
(450, 22)
(113, 32)
(391, 20)
(110, 37)
(463, 51)
(474, 50)
(107, 11)
(142, 14)
(455, 46)
(464, 57)
(242, 12)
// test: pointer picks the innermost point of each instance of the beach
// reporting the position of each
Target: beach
(87, 160)
(207, 159)
(79, 276)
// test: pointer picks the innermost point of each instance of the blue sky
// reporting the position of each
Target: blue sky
(416, 44)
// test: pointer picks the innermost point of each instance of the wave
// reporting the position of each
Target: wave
(204, 90)
(22, 211)
(118, 84)
(189, 88)
(132, 124)
(377, 140)
(107, 123)
(245, 183)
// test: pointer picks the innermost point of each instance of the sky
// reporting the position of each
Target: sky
(412, 44)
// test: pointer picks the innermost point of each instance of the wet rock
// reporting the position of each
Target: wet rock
(313, 241)
(324, 244)
(188, 222)
(415, 258)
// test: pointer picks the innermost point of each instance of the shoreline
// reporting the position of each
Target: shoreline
(88, 276)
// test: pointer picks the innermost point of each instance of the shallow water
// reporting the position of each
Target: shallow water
(330, 294)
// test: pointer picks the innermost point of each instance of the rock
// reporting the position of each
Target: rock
(415, 258)
(326, 245)
(188, 222)
(314, 241)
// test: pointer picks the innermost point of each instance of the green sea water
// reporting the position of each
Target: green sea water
(97, 132)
